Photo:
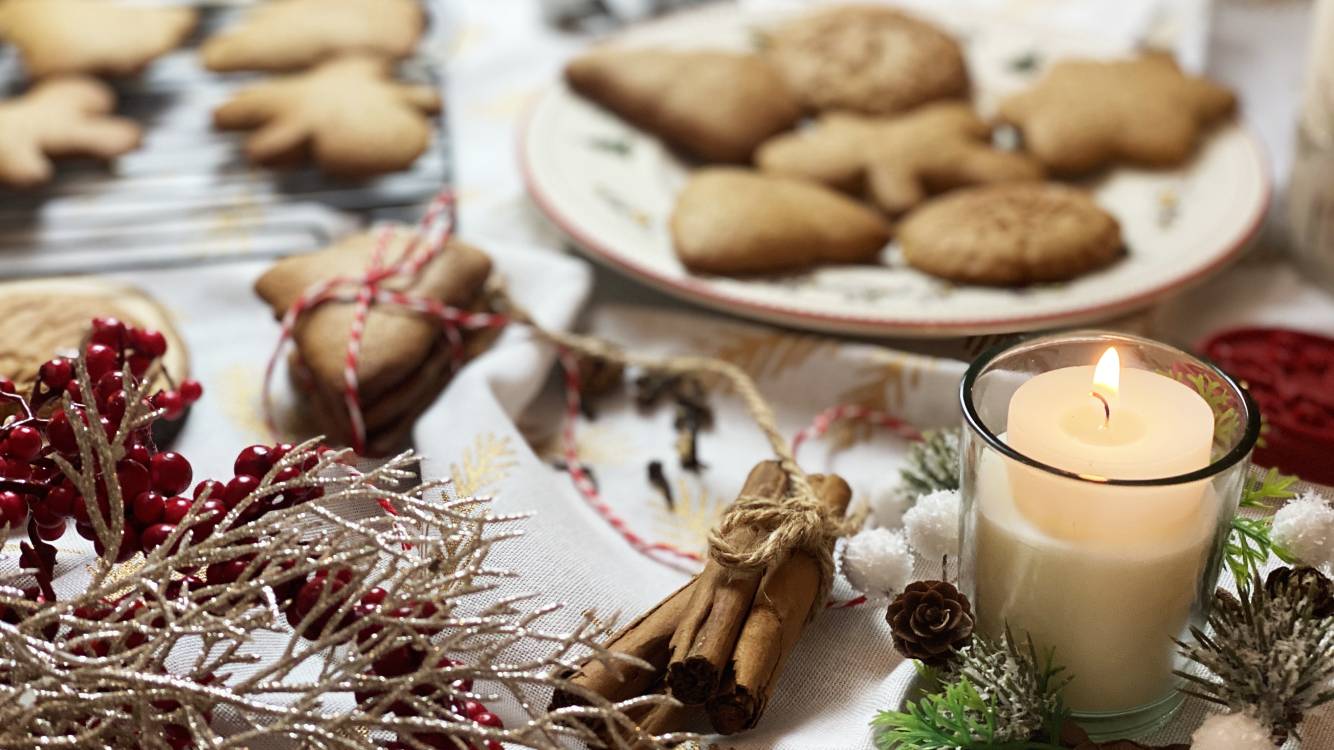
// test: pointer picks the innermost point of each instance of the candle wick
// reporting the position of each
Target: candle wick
(1106, 407)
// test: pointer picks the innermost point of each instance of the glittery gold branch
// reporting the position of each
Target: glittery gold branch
(371, 583)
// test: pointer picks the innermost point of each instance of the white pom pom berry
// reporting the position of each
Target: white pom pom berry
(933, 524)
(878, 562)
(1231, 732)
(1305, 528)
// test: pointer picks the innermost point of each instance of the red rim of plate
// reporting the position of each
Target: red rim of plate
(694, 290)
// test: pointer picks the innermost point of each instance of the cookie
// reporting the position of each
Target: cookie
(60, 117)
(898, 161)
(292, 34)
(404, 356)
(867, 58)
(93, 37)
(1010, 235)
(735, 221)
(349, 115)
(1085, 114)
(47, 318)
(717, 106)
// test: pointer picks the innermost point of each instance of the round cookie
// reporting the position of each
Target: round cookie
(1010, 235)
(46, 318)
(868, 59)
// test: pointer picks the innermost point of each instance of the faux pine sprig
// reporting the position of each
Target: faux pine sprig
(1000, 697)
(933, 463)
(1267, 654)
(1250, 544)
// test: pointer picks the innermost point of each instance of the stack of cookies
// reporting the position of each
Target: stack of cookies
(853, 124)
(405, 358)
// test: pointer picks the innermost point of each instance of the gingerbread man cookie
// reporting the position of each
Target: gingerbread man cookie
(717, 106)
(94, 37)
(1085, 114)
(60, 117)
(349, 114)
(898, 161)
(735, 221)
(867, 58)
(292, 34)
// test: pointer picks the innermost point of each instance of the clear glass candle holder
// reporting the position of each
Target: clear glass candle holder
(1095, 517)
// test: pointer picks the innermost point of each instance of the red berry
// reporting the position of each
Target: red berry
(24, 443)
(171, 473)
(61, 499)
(374, 598)
(7, 386)
(238, 489)
(55, 373)
(155, 535)
(139, 364)
(108, 332)
(488, 719)
(106, 385)
(214, 487)
(60, 433)
(134, 479)
(114, 408)
(228, 571)
(147, 508)
(177, 737)
(191, 390)
(17, 469)
(149, 342)
(175, 509)
(398, 661)
(171, 403)
(13, 509)
(254, 461)
(101, 359)
(210, 513)
(472, 709)
(139, 454)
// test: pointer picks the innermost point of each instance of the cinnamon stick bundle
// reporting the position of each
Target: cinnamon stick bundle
(722, 639)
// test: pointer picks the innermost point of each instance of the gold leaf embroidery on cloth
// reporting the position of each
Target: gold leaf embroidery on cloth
(694, 512)
(767, 354)
(240, 398)
(594, 444)
(884, 386)
(483, 465)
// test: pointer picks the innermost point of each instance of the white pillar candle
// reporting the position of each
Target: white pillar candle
(1105, 575)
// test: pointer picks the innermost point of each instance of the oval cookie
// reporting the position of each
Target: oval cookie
(867, 59)
(1010, 235)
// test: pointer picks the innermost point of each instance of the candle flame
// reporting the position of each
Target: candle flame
(1107, 375)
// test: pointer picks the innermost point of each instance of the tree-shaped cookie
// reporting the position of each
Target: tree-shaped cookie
(897, 161)
(60, 117)
(94, 37)
(1085, 114)
(291, 34)
(348, 114)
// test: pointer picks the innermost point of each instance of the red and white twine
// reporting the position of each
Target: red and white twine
(426, 243)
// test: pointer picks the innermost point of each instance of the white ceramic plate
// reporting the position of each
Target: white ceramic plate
(611, 188)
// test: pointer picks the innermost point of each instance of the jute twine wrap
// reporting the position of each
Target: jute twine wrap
(794, 523)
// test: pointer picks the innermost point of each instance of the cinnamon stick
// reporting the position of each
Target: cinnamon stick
(648, 638)
(779, 614)
(720, 601)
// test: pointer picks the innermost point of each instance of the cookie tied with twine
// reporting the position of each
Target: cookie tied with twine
(378, 323)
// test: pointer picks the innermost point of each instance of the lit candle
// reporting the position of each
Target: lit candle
(1103, 574)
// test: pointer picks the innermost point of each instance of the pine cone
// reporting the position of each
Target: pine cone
(930, 621)
(1287, 581)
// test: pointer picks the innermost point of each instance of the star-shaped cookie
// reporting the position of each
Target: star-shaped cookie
(349, 114)
(1085, 114)
(898, 161)
(94, 37)
(291, 34)
(60, 117)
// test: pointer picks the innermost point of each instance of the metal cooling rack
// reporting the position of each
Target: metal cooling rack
(188, 196)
